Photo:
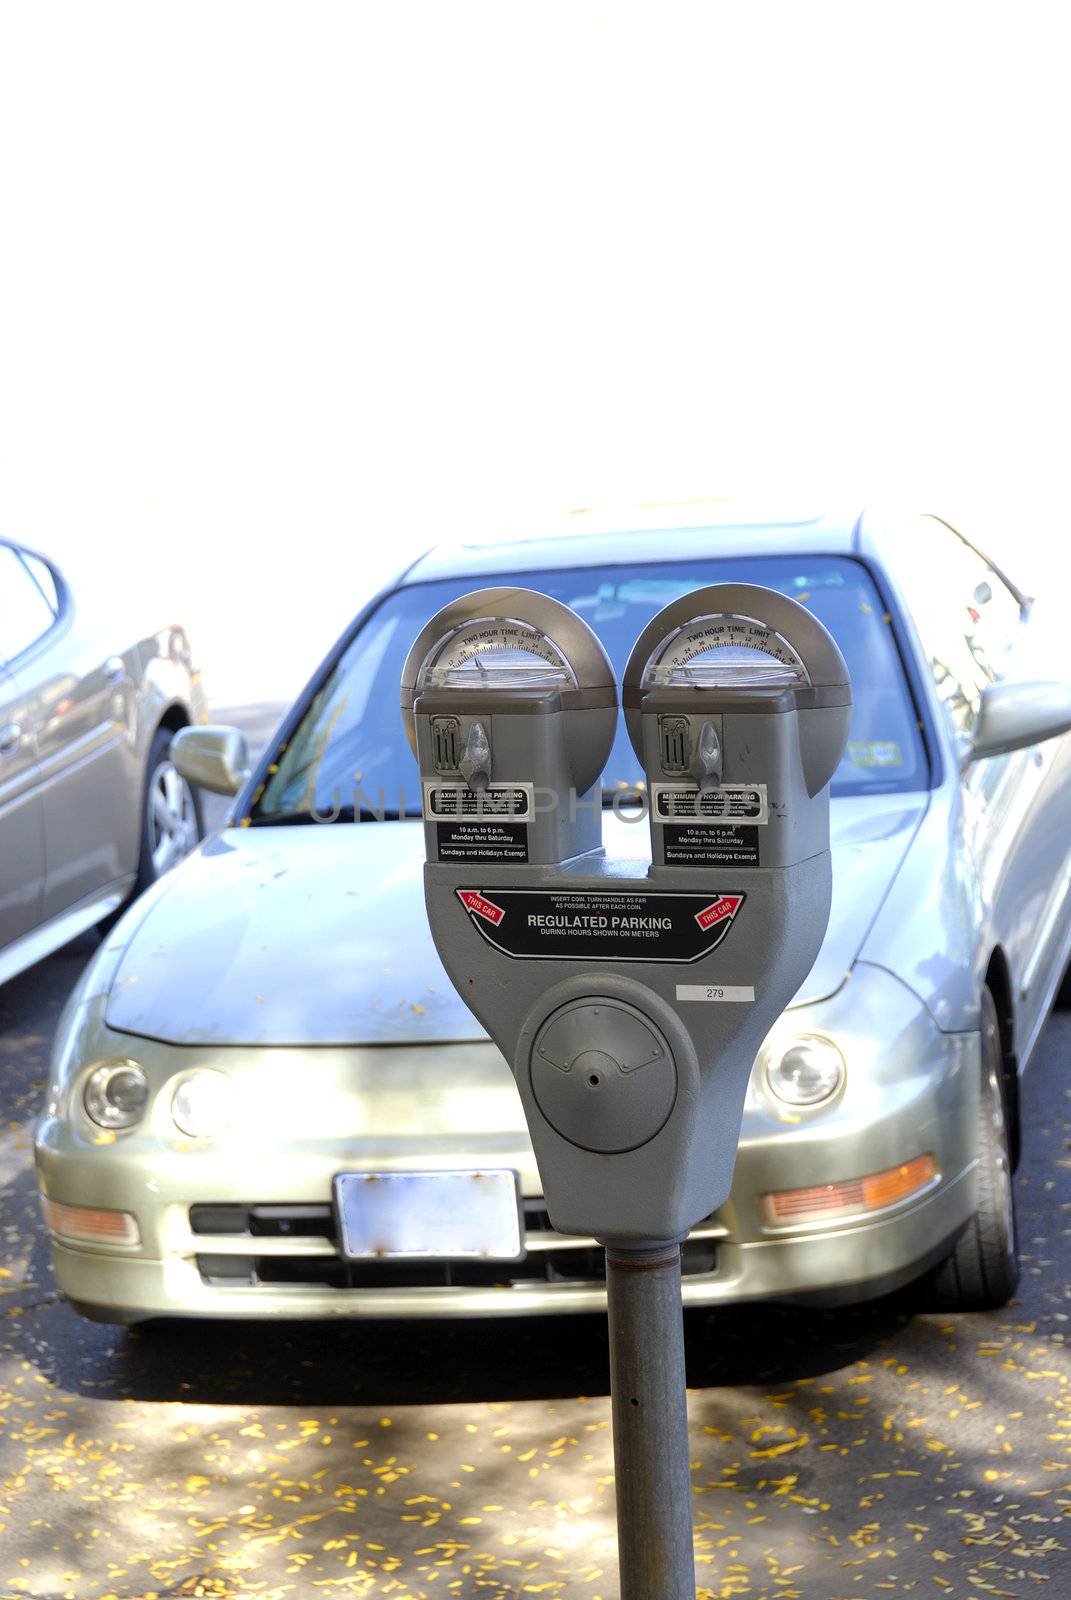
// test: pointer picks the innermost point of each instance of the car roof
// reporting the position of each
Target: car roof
(600, 538)
(597, 538)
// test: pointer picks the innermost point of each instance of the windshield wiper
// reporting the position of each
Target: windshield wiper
(631, 799)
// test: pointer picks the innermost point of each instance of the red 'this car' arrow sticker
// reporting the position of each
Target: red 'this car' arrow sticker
(480, 906)
(719, 910)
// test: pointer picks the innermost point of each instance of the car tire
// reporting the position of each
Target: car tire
(982, 1271)
(172, 822)
(157, 768)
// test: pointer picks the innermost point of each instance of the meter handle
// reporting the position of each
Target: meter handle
(650, 1412)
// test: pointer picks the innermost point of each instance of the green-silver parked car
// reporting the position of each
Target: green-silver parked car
(272, 1013)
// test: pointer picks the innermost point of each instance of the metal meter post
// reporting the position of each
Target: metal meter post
(631, 1000)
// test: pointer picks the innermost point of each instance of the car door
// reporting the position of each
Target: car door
(22, 837)
(973, 627)
(82, 701)
(1043, 858)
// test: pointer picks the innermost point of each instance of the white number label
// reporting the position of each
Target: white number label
(740, 993)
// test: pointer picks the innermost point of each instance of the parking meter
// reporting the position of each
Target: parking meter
(631, 1000)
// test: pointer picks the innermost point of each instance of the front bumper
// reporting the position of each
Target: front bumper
(835, 1267)
(456, 1106)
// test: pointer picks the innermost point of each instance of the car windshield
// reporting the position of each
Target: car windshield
(349, 757)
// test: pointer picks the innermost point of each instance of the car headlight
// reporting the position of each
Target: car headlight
(805, 1071)
(116, 1094)
(202, 1104)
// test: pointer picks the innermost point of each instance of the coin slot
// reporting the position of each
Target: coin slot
(675, 743)
(446, 734)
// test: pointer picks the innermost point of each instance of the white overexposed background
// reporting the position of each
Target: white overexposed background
(288, 292)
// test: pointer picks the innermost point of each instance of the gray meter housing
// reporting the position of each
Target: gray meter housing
(630, 1000)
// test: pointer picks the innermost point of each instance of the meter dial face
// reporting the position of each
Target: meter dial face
(497, 653)
(726, 651)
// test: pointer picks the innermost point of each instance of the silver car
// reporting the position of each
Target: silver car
(272, 1014)
(92, 809)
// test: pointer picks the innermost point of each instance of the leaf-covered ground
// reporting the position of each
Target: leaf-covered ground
(859, 1454)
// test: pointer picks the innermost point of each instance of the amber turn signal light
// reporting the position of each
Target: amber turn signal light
(90, 1225)
(871, 1193)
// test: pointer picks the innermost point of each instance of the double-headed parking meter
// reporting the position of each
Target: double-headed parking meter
(630, 1000)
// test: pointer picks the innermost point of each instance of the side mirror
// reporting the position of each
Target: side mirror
(216, 758)
(1015, 715)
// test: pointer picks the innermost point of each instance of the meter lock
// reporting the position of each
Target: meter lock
(603, 1075)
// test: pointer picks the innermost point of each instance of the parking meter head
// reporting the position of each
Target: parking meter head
(507, 692)
(734, 694)
(630, 999)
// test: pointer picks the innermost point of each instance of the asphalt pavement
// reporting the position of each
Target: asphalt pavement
(881, 1451)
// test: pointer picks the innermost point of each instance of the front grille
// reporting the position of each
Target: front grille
(551, 1258)
(265, 1222)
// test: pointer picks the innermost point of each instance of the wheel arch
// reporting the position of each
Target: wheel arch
(174, 717)
(998, 982)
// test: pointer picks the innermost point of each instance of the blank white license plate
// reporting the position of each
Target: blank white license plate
(385, 1214)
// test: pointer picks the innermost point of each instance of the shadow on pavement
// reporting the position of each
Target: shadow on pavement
(430, 1362)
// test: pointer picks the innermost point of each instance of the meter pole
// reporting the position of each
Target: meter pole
(650, 1411)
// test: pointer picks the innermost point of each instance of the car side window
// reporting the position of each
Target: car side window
(967, 617)
(29, 602)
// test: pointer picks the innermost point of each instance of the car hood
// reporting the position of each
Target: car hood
(318, 935)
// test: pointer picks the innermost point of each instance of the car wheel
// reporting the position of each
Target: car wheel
(171, 821)
(983, 1269)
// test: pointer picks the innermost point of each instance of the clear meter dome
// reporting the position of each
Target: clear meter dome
(725, 651)
(497, 653)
